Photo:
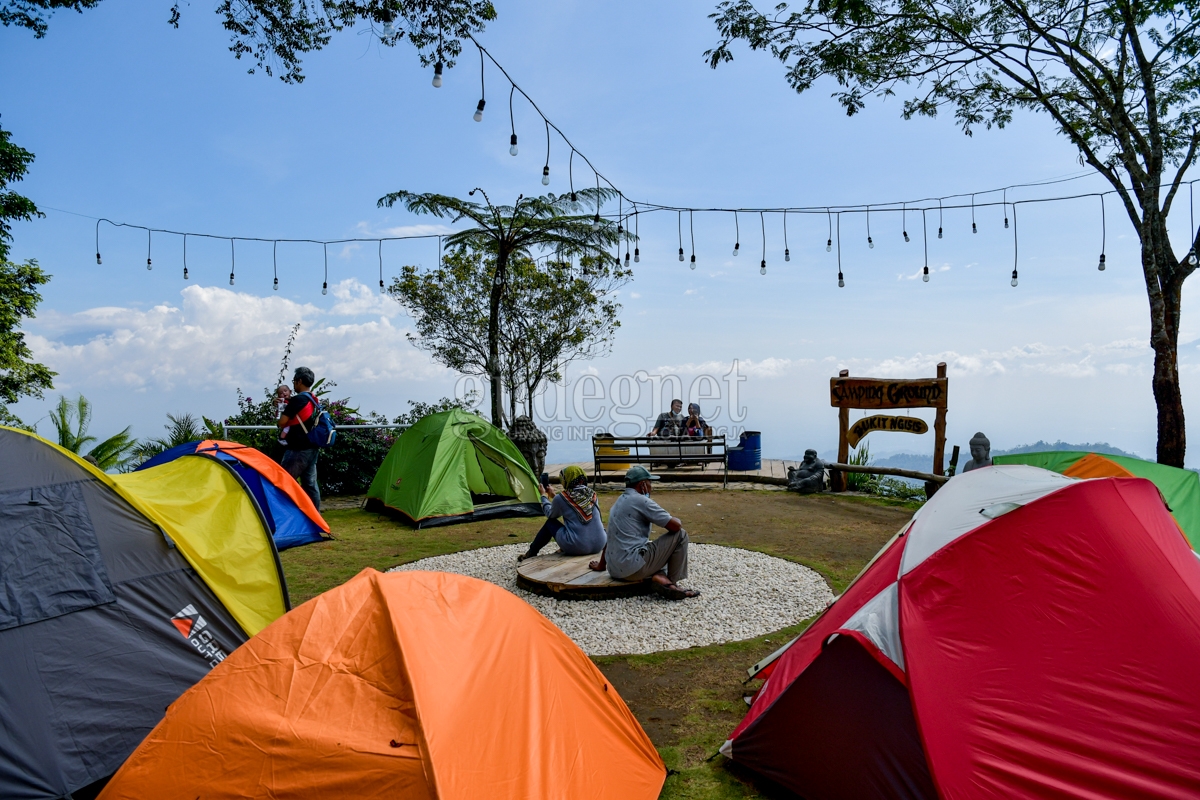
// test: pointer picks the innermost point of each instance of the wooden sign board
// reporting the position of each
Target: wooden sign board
(846, 393)
(877, 393)
(884, 422)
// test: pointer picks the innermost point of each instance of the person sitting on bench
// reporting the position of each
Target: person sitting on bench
(581, 532)
(634, 557)
(694, 425)
(669, 423)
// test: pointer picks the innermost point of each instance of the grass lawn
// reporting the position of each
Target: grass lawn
(687, 700)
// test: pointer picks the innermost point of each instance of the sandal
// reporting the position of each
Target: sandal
(673, 592)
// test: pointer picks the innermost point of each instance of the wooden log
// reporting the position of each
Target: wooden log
(939, 426)
(837, 481)
(903, 473)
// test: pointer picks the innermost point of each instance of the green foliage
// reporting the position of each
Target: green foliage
(860, 481)
(180, 429)
(71, 420)
(549, 225)
(276, 34)
(20, 376)
(550, 315)
(899, 489)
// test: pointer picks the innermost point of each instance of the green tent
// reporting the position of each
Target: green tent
(1180, 487)
(454, 467)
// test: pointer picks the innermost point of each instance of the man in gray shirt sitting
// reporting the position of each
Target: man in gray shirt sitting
(630, 555)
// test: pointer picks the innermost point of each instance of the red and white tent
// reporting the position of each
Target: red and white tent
(1025, 635)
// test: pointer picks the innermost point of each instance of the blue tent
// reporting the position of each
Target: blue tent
(290, 514)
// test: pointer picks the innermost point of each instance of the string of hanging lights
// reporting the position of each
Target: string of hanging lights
(233, 248)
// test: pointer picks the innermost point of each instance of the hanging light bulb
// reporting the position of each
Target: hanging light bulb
(478, 115)
(574, 197)
(185, 273)
(1191, 257)
(1006, 225)
(787, 254)
(388, 28)
(906, 236)
(681, 254)
(829, 245)
(939, 233)
(324, 288)
(437, 75)
(693, 264)
(973, 228)
(148, 264)
(381, 290)
(870, 243)
(637, 255)
(762, 268)
(596, 221)
(1014, 278)
(231, 279)
(512, 150)
(97, 257)
(737, 246)
(1101, 267)
(841, 281)
(275, 285)
(627, 259)
(925, 275)
(546, 175)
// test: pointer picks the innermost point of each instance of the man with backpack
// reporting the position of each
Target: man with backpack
(301, 415)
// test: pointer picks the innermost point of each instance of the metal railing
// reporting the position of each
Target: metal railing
(225, 429)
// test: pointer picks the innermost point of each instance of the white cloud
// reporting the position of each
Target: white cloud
(634, 295)
(368, 230)
(221, 338)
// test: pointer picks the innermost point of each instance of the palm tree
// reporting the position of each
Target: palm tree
(71, 419)
(180, 430)
(550, 223)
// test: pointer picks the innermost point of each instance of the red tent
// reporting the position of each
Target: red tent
(1026, 635)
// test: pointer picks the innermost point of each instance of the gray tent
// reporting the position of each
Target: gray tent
(103, 621)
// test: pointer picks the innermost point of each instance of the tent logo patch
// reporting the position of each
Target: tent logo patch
(194, 628)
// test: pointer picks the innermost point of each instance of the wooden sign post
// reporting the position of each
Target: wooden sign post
(846, 393)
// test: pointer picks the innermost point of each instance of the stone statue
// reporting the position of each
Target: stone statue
(981, 453)
(809, 477)
(530, 441)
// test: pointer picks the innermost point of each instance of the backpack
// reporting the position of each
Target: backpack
(323, 432)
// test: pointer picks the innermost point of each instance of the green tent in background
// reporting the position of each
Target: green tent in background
(1180, 487)
(451, 467)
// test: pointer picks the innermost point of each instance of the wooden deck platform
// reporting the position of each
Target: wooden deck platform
(569, 578)
(773, 471)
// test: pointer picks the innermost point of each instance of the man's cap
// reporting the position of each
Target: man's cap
(638, 474)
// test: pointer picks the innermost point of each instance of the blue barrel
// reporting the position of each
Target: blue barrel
(748, 454)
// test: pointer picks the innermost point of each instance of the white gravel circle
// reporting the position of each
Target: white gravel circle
(743, 594)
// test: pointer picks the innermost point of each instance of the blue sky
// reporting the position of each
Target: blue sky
(137, 122)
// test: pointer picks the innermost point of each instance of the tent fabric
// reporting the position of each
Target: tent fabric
(1180, 487)
(1032, 646)
(290, 513)
(209, 515)
(107, 622)
(454, 466)
(400, 685)
(844, 728)
(1099, 632)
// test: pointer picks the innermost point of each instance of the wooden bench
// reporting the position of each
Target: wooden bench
(570, 578)
(672, 451)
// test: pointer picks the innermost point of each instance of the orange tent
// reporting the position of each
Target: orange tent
(401, 685)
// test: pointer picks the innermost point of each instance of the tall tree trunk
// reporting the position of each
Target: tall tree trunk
(498, 281)
(1164, 282)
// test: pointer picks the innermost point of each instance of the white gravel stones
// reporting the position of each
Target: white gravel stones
(743, 594)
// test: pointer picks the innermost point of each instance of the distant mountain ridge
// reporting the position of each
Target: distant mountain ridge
(1060, 446)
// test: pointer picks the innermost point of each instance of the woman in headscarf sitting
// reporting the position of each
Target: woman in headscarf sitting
(581, 531)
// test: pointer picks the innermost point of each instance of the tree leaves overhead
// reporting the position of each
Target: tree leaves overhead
(276, 34)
